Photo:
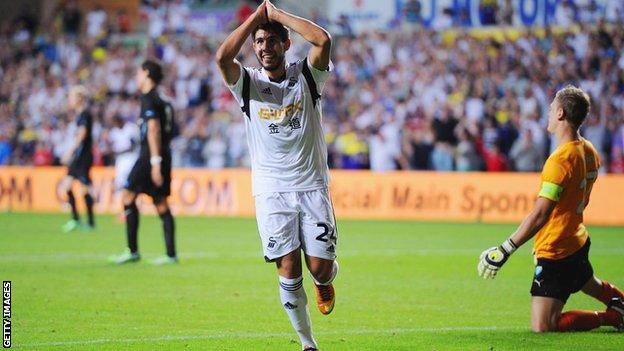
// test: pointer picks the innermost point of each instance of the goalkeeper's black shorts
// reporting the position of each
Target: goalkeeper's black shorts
(561, 278)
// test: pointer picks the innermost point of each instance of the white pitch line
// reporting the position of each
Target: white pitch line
(261, 335)
(252, 255)
(218, 255)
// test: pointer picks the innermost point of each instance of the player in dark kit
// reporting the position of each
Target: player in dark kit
(151, 173)
(79, 159)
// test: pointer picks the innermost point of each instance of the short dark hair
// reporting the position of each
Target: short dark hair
(273, 27)
(575, 104)
(154, 70)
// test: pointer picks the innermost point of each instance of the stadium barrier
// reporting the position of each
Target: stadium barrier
(486, 197)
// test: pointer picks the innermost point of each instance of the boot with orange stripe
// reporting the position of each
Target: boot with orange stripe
(325, 298)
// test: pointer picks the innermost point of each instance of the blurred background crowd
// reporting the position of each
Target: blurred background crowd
(412, 95)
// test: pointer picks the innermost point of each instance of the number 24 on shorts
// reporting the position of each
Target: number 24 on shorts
(327, 230)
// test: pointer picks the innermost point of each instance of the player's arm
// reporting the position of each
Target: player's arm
(153, 141)
(319, 38)
(534, 221)
(492, 259)
(229, 49)
(80, 137)
(555, 176)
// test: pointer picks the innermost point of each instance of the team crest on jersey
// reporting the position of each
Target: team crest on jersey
(273, 128)
(292, 81)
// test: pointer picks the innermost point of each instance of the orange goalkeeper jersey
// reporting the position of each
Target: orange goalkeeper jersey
(567, 178)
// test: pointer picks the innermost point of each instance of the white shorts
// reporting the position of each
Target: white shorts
(123, 166)
(291, 220)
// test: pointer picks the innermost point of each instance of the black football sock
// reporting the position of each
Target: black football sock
(132, 226)
(169, 229)
(72, 202)
(89, 201)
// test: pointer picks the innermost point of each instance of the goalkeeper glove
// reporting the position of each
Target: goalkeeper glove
(492, 259)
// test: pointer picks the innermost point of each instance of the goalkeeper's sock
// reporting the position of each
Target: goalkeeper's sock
(334, 272)
(588, 320)
(295, 303)
(72, 202)
(608, 292)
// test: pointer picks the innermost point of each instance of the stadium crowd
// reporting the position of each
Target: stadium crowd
(405, 98)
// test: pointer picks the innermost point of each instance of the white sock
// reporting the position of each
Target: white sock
(295, 303)
(331, 279)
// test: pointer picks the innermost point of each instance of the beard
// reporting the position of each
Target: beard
(274, 66)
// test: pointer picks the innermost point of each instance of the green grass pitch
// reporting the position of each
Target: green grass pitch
(402, 286)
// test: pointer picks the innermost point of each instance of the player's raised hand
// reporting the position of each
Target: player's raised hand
(271, 11)
(492, 259)
(261, 13)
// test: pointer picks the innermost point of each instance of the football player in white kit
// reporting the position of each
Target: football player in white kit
(288, 153)
(123, 139)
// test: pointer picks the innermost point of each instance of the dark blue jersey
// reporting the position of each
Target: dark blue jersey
(154, 107)
(84, 149)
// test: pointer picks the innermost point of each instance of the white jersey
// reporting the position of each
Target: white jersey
(124, 139)
(124, 143)
(284, 132)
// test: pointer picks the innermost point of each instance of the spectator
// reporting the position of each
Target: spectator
(245, 9)
(411, 14)
(5, 150)
(444, 127)
(614, 11)
(344, 26)
(565, 13)
(215, 151)
(195, 150)
(72, 18)
(156, 17)
(525, 156)
(488, 10)
(506, 13)
(467, 158)
(122, 21)
(442, 157)
(597, 134)
(43, 155)
(417, 149)
(177, 15)
(617, 163)
(444, 20)
(508, 132)
(96, 21)
(495, 161)
(353, 150)
(383, 156)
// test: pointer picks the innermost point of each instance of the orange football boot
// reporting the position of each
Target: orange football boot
(325, 298)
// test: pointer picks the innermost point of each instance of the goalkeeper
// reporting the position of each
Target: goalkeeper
(562, 243)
